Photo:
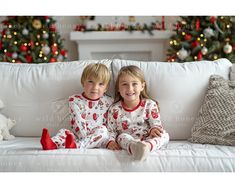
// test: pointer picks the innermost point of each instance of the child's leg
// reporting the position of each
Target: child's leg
(157, 142)
(134, 147)
(59, 138)
(97, 138)
(46, 142)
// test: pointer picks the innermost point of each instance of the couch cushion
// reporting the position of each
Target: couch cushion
(26, 155)
(36, 95)
(180, 89)
(215, 123)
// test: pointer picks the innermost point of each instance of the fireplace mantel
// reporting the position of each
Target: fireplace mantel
(134, 45)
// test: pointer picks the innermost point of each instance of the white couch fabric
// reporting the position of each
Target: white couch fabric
(25, 154)
(36, 97)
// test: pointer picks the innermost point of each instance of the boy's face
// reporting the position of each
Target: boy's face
(93, 88)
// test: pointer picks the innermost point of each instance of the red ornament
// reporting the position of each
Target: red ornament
(212, 19)
(29, 58)
(233, 46)
(46, 17)
(80, 27)
(52, 27)
(197, 24)
(0, 45)
(195, 43)
(5, 22)
(122, 27)
(63, 52)
(23, 48)
(31, 44)
(187, 37)
(53, 60)
(178, 26)
(53, 49)
(3, 32)
(9, 54)
(199, 56)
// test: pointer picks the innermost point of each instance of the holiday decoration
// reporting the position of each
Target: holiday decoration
(203, 37)
(30, 39)
(132, 26)
(228, 48)
(182, 54)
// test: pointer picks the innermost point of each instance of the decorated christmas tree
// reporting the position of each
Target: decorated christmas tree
(203, 38)
(30, 39)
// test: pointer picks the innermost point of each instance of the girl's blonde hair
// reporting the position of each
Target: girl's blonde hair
(134, 72)
(98, 71)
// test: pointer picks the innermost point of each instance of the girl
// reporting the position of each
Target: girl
(134, 119)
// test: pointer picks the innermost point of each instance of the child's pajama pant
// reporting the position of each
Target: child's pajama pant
(124, 140)
(97, 137)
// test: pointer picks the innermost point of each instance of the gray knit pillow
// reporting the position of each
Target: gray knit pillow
(215, 122)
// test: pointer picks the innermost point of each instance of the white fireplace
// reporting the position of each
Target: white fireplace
(134, 45)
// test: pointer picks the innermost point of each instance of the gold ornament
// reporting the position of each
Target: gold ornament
(37, 24)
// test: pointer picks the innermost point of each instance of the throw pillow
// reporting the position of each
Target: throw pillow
(215, 122)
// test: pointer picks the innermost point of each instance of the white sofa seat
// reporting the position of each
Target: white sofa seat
(25, 154)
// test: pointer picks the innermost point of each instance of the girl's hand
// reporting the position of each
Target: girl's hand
(156, 132)
(113, 146)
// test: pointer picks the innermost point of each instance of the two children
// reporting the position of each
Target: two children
(133, 120)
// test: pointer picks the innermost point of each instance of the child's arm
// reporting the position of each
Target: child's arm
(111, 126)
(77, 121)
(154, 120)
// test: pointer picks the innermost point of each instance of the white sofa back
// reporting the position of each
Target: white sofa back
(36, 95)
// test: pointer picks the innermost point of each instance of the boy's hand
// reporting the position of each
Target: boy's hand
(113, 146)
(156, 132)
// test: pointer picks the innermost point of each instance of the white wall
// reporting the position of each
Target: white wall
(66, 24)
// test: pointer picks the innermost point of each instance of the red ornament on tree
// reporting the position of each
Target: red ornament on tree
(23, 48)
(0, 45)
(53, 60)
(53, 28)
(199, 56)
(212, 19)
(63, 52)
(195, 43)
(29, 58)
(197, 25)
(31, 44)
(187, 37)
(53, 48)
(233, 46)
(8, 54)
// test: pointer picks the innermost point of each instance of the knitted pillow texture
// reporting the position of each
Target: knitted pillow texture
(215, 122)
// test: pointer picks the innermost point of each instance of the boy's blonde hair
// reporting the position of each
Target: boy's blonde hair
(98, 71)
(134, 72)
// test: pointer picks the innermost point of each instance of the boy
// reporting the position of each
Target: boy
(88, 113)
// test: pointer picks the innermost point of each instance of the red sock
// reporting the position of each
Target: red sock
(47, 143)
(69, 141)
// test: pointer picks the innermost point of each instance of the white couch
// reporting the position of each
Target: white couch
(36, 96)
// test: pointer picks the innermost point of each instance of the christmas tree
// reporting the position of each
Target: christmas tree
(203, 38)
(30, 39)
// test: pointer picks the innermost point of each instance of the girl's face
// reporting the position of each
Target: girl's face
(94, 89)
(130, 88)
